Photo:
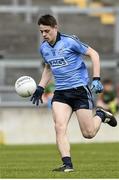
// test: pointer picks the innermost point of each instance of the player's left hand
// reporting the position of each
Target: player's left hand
(96, 85)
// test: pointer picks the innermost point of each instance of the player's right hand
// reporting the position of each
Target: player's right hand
(37, 95)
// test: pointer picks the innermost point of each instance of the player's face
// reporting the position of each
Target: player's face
(49, 33)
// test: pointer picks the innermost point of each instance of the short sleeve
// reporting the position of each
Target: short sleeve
(79, 46)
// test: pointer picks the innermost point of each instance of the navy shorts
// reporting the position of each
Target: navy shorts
(78, 98)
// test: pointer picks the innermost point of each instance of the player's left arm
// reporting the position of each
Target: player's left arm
(84, 49)
(96, 85)
(94, 56)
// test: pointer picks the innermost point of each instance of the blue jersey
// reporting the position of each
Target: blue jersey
(66, 62)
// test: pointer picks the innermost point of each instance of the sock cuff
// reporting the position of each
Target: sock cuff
(66, 158)
(101, 115)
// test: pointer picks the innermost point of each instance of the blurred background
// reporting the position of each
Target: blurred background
(95, 22)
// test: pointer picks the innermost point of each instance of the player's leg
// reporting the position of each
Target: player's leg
(61, 115)
(89, 125)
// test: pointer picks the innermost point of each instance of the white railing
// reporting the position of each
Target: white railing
(8, 96)
(8, 92)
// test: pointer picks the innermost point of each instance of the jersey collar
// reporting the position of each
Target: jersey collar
(57, 39)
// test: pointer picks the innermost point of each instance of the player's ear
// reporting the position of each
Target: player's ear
(56, 27)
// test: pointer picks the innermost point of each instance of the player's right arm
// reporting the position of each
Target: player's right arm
(46, 76)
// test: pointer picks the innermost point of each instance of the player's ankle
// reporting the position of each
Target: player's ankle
(67, 161)
(101, 115)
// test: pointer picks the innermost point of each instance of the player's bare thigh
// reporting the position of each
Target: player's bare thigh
(61, 112)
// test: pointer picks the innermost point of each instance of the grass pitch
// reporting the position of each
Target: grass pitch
(37, 161)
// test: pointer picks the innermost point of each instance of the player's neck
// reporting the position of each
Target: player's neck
(57, 38)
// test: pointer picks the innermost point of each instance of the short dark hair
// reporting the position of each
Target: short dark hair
(47, 20)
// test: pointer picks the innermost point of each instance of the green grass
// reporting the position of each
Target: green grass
(37, 161)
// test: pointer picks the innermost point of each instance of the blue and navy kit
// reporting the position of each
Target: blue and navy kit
(66, 62)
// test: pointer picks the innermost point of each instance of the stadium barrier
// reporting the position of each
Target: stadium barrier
(30, 10)
(35, 126)
(17, 68)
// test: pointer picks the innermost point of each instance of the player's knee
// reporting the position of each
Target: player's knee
(88, 134)
(60, 128)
